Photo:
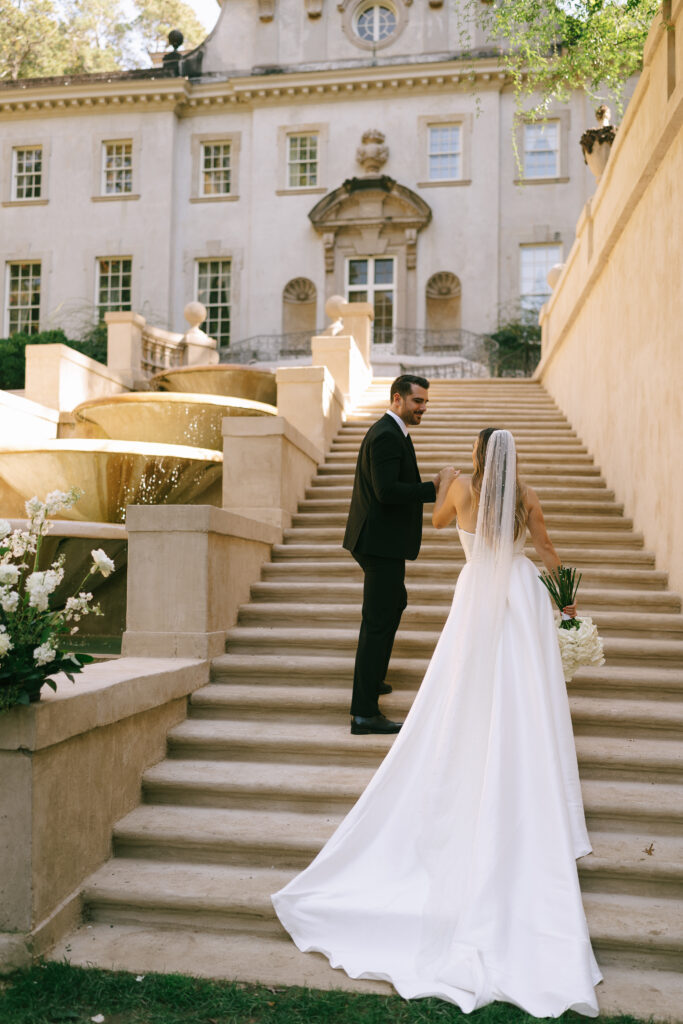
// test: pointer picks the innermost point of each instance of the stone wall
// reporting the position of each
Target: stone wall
(612, 354)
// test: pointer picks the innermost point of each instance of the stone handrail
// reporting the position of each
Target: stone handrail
(160, 350)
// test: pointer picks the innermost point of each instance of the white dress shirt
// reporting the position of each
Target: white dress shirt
(400, 422)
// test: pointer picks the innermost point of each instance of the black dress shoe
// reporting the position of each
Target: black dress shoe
(361, 726)
(384, 688)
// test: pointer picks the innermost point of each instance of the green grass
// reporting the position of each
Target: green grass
(59, 994)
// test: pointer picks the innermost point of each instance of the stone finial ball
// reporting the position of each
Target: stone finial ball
(195, 313)
(176, 38)
(553, 275)
(334, 306)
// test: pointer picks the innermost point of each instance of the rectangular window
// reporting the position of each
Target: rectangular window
(445, 152)
(27, 172)
(215, 169)
(23, 298)
(372, 280)
(113, 284)
(541, 150)
(302, 161)
(213, 290)
(534, 264)
(117, 168)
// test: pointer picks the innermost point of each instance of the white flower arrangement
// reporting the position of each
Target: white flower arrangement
(579, 641)
(30, 633)
(580, 645)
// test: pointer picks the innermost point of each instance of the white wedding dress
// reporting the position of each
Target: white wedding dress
(454, 875)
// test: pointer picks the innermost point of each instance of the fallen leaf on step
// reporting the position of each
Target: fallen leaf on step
(649, 850)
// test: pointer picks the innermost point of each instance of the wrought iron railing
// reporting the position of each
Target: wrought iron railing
(266, 348)
(428, 342)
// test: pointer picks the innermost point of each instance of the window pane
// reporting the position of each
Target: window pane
(358, 272)
(302, 161)
(384, 271)
(23, 300)
(118, 168)
(213, 290)
(114, 284)
(444, 152)
(535, 262)
(28, 165)
(216, 168)
(541, 150)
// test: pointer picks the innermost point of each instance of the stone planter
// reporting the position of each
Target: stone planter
(596, 143)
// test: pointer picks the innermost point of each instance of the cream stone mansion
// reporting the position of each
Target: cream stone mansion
(306, 148)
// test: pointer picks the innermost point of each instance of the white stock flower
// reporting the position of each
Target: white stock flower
(57, 500)
(9, 574)
(5, 528)
(40, 585)
(5, 642)
(21, 542)
(9, 599)
(102, 563)
(35, 507)
(44, 654)
(76, 607)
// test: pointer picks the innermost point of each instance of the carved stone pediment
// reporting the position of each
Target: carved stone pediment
(370, 201)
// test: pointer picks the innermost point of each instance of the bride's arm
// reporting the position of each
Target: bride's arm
(447, 498)
(539, 532)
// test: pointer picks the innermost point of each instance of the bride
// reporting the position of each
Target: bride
(454, 875)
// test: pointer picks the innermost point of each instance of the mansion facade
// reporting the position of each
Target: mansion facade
(307, 148)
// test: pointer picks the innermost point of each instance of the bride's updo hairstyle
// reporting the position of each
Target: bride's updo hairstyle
(478, 476)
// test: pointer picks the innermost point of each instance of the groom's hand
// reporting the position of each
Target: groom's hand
(446, 476)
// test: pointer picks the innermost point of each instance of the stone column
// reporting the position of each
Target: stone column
(310, 401)
(189, 569)
(267, 466)
(124, 345)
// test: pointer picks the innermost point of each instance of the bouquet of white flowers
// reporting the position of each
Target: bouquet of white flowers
(30, 634)
(580, 643)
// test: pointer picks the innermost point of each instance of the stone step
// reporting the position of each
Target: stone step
(236, 898)
(641, 759)
(434, 540)
(599, 713)
(538, 480)
(433, 572)
(565, 504)
(323, 593)
(554, 492)
(421, 643)
(624, 622)
(644, 809)
(530, 472)
(570, 521)
(275, 961)
(451, 551)
(324, 671)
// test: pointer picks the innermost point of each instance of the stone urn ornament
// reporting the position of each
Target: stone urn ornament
(596, 143)
(372, 154)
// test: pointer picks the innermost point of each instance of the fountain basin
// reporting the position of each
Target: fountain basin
(112, 474)
(229, 379)
(179, 419)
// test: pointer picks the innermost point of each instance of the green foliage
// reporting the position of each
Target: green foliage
(518, 340)
(13, 351)
(65, 37)
(551, 47)
(55, 992)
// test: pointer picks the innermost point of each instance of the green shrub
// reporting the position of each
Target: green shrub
(13, 354)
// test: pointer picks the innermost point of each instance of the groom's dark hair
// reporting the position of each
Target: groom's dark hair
(403, 385)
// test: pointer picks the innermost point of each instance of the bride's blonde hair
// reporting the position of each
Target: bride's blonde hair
(478, 476)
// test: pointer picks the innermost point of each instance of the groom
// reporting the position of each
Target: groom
(383, 529)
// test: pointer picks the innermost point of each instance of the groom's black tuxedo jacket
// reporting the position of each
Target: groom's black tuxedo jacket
(385, 517)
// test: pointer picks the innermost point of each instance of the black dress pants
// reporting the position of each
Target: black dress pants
(384, 598)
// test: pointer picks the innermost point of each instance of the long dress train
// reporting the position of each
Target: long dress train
(454, 875)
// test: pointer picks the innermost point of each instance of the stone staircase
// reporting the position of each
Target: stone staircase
(264, 767)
